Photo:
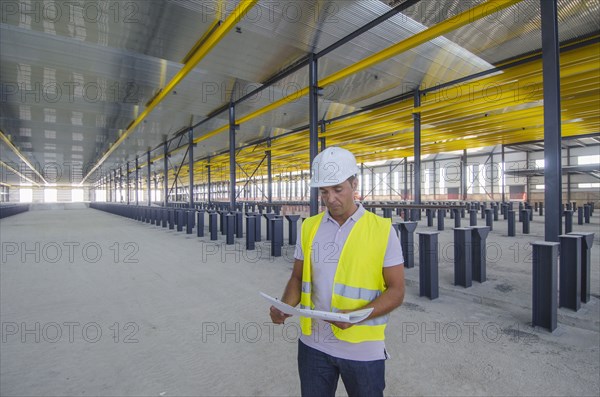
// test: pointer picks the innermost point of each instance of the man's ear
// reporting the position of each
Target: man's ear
(354, 183)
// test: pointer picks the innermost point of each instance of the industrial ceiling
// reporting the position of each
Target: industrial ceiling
(89, 86)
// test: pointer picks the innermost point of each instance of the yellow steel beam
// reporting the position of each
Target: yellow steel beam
(21, 156)
(539, 52)
(201, 40)
(204, 49)
(8, 167)
(481, 104)
(517, 80)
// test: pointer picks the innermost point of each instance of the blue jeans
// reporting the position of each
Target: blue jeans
(319, 374)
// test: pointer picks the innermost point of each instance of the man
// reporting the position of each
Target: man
(346, 259)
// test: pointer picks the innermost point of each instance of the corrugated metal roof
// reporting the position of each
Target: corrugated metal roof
(73, 81)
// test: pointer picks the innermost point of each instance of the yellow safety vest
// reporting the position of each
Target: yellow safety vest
(358, 278)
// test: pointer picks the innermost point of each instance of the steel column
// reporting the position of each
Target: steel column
(269, 174)
(417, 148)
(191, 167)
(166, 174)
(390, 182)
(405, 192)
(116, 186)
(411, 177)
(136, 182)
(149, 178)
(232, 165)
(313, 114)
(568, 178)
(362, 181)
(127, 179)
(434, 180)
(552, 121)
(209, 184)
(502, 178)
(492, 175)
(463, 175)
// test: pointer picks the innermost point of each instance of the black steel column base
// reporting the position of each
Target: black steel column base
(428, 264)
(212, 225)
(440, 220)
(586, 258)
(473, 217)
(511, 223)
(463, 265)
(229, 228)
(239, 224)
(200, 223)
(190, 221)
(525, 216)
(478, 254)
(293, 228)
(544, 289)
(250, 231)
(276, 229)
(489, 220)
(456, 213)
(180, 220)
(268, 217)
(407, 241)
(569, 287)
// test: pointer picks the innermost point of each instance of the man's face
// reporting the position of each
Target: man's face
(339, 199)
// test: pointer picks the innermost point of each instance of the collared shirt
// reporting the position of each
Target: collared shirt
(327, 246)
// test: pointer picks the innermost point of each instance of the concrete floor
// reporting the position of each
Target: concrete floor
(96, 304)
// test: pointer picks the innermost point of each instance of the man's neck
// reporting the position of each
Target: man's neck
(343, 218)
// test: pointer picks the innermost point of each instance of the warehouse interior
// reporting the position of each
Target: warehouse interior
(134, 131)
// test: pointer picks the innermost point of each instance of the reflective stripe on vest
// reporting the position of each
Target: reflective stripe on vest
(306, 287)
(356, 293)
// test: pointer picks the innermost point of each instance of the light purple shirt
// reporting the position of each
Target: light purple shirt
(327, 246)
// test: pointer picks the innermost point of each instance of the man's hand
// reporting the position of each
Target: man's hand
(291, 295)
(341, 324)
(277, 316)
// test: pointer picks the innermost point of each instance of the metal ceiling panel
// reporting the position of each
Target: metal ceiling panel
(118, 58)
(155, 28)
(513, 31)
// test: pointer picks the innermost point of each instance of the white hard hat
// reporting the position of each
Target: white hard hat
(333, 166)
